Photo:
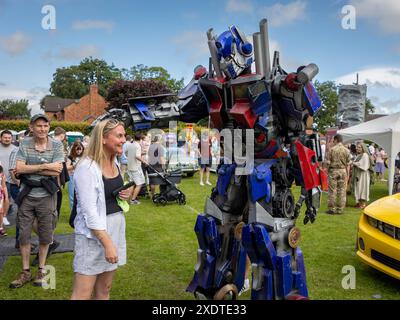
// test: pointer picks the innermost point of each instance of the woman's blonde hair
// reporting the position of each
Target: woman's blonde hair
(95, 150)
(363, 147)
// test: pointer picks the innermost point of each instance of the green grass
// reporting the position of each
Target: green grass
(162, 254)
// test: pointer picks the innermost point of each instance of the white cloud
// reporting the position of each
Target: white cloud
(194, 44)
(15, 44)
(386, 106)
(244, 6)
(281, 14)
(375, 77)
(79, 53)
(386, 14)
(34, 95)
(93, 24)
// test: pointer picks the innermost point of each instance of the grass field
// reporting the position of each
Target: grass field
(162, 254)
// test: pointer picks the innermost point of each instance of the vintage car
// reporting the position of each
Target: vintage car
(178, 159)
(378, 238)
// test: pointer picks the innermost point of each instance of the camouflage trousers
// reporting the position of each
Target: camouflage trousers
(337, 181)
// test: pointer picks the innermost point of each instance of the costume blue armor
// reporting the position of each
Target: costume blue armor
(255, 214)
(252, 211)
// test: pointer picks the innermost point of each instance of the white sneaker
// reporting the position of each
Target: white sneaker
(135, 202)
(209, 183)
(201, 183)
(6, 222)
(246, 286)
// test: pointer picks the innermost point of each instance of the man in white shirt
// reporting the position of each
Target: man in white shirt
(371, 149)
(323, 149)
(135, 173)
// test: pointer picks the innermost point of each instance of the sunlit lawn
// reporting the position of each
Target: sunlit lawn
(162, 254)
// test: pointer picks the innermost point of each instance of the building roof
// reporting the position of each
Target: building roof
(55, 104)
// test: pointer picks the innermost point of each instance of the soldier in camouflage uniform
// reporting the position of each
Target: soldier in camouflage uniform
(338, 162)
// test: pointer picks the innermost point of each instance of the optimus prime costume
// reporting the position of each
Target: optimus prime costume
(250, 214)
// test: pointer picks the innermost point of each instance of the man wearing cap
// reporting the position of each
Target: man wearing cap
(39, 162)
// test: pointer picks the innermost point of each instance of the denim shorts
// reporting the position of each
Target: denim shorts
(380, 167)
(90, 258)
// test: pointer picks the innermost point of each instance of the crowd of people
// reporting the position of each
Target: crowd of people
(33, 173)
(351, 170)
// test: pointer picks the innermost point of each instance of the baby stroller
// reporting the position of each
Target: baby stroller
(168, 190)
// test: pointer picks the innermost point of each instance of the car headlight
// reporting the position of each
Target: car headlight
(373, 222)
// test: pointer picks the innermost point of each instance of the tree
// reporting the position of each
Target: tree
(326, 116)
(369, 107)
(141, 72)
(73, 82)
(18, 109)
(122, 90)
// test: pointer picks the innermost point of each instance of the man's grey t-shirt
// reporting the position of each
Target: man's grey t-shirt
(5, 159)
(133, 150)
(27, 152)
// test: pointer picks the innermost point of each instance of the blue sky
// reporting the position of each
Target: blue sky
(172, 34)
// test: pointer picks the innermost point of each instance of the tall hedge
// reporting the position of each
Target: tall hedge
(19, 125)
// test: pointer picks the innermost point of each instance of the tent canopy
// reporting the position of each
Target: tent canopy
(384, 131)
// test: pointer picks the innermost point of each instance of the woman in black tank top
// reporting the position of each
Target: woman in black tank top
(110, 184)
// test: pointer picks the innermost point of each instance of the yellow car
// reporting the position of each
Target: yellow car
(378, 238)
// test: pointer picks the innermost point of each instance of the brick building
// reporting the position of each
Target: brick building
(87, 108)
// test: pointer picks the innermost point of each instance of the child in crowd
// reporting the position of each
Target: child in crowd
(3, 201)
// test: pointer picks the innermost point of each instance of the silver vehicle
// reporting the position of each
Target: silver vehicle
(179, 159)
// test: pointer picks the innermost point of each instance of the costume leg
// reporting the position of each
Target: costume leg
(221, 258)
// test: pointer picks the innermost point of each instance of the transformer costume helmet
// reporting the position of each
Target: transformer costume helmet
(235, 53)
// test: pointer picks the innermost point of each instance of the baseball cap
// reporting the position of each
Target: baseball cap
(39, 116)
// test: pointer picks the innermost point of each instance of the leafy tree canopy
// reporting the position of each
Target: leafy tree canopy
(142, 72)
(122, 90)
(74, 82)
(15, 109)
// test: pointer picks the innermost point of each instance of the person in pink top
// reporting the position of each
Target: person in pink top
(4, 204)
(380, 157)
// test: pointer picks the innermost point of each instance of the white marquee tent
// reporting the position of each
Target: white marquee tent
(384, 131)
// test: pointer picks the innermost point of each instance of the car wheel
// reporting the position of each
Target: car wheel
(190, 174)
